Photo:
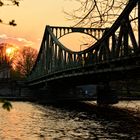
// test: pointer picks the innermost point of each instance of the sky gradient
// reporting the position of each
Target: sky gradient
(31, 17)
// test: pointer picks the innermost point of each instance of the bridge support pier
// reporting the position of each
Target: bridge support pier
(105, 95)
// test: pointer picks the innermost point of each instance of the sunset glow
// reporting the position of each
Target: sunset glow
(10, 52)
(31, 18)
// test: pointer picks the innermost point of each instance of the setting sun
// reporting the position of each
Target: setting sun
(10, 51)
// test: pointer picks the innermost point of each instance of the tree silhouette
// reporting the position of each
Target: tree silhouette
(24, 60)
(97, 13)
(9, 3)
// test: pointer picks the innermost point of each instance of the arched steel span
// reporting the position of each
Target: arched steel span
(117, 48)
(62, 31)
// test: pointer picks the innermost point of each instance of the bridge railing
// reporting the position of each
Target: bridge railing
(117, 42)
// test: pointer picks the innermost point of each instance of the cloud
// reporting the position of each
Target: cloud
(3, 36)
(21, 39)
(27, 42)
(16, 40)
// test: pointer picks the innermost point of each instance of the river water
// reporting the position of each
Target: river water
(69, 121)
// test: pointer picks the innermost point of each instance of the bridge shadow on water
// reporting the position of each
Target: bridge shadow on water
(119, 123)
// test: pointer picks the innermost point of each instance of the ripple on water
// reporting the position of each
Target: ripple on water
(28, 121)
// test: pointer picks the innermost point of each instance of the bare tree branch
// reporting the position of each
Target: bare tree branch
(9, 3)
(96, 13)
(24, 60)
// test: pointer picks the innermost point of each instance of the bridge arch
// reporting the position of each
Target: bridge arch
(95, 36)
(77, 41)
(62, 31)
(107, 54)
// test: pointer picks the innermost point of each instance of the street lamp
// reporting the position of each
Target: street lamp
(83, 45)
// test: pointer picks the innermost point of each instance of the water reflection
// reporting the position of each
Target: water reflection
(71, 121)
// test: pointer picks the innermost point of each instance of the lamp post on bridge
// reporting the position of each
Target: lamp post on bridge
(83, 45)
(83, 59)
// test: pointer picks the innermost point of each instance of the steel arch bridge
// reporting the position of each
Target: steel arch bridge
(115, 55)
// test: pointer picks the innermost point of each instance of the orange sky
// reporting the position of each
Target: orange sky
(31, 17)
